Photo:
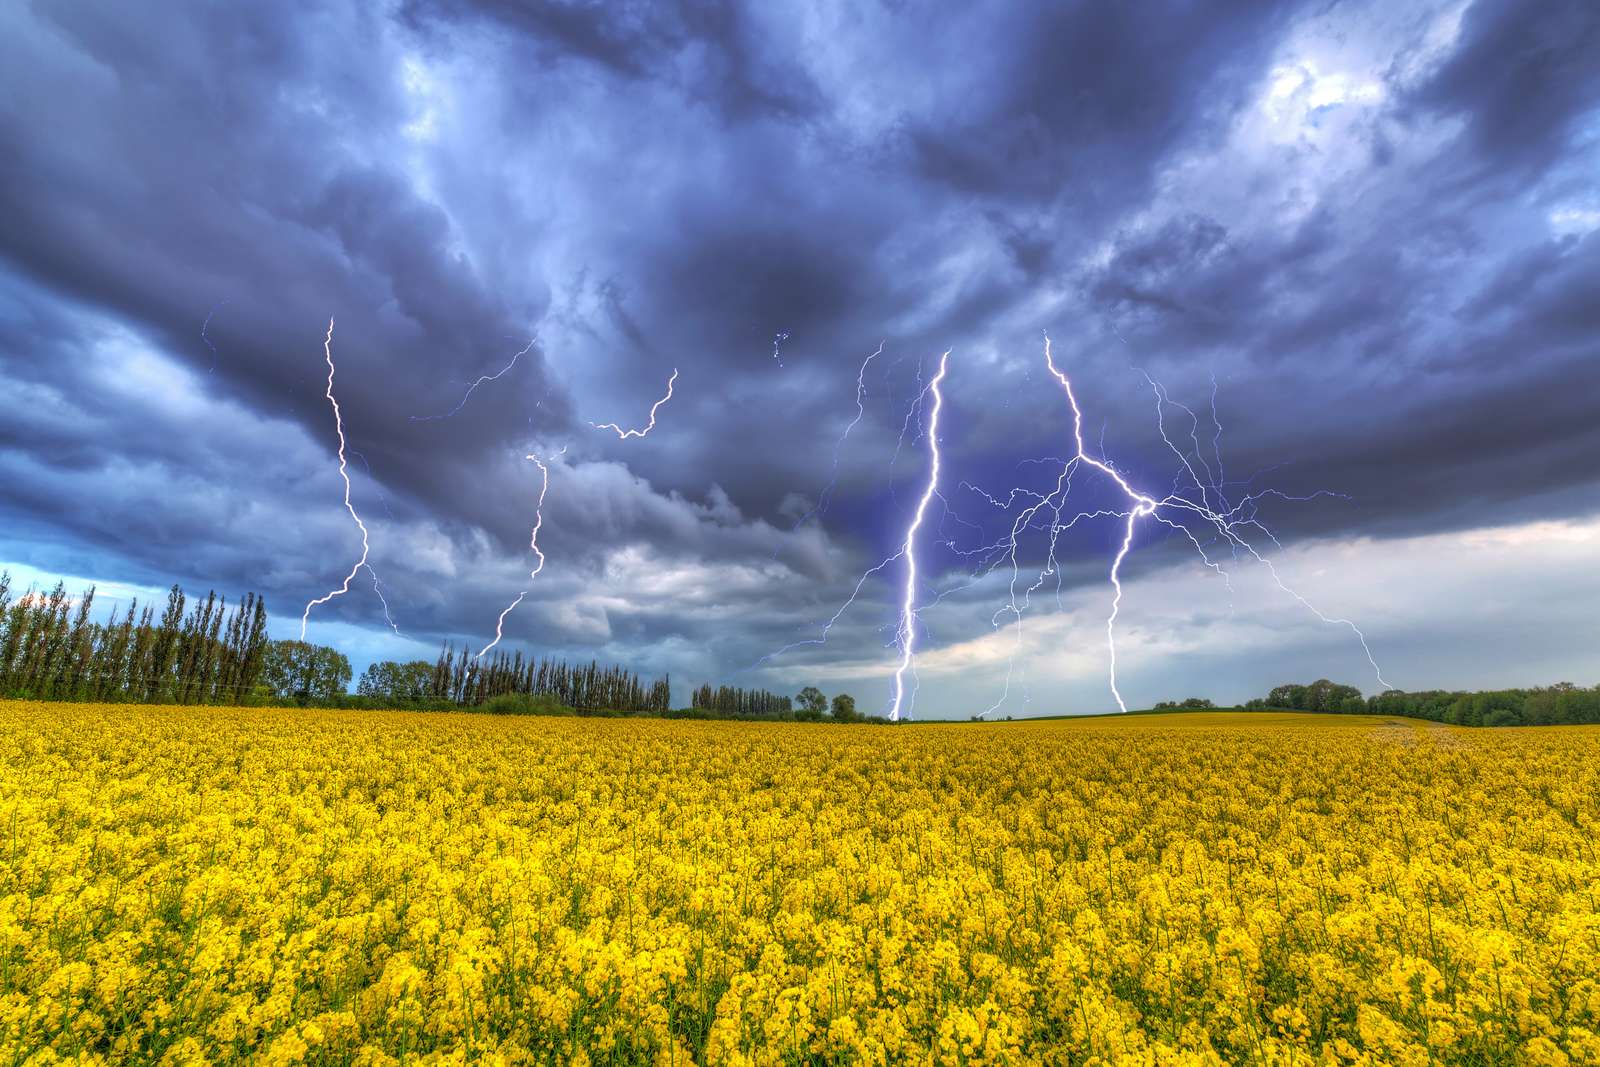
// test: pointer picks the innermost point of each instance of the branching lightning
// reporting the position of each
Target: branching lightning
(777, 343)
(823, 497)
(377, 587)
(907, 631)
(533, 543)
(474, 386)
(1227, 523)
(625, 434)
(344, 473)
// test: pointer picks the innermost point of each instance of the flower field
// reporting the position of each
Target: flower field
(205, 885)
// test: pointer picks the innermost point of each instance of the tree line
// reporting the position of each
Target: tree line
(201, 654)
(810, 705)
(1555, 705)
(204, 652)
(729, 702)
(466, 679)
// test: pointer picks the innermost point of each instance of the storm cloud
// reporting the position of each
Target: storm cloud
(1365, 232)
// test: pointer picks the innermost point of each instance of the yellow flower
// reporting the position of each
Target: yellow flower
(229, 886)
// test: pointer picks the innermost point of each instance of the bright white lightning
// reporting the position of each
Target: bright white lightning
(777, 343)
(473, 387)
(533, 543)
(625, 434)
(1226, 524)
(344, 473)
(908, 612)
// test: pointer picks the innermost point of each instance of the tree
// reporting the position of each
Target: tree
(157, 670)
(50, 648)
(811, 700)
(1291, 697)
(304, 671)
(844, 708)
(401, 683)
(1323, 695)
(727, 702)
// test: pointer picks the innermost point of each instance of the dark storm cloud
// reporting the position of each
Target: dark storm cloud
(1375, 281)
(1146, 272)
(226, 177)
(1523, 78)
(1450, 400)
(727, 63)
(1077, 100)
(623, 38)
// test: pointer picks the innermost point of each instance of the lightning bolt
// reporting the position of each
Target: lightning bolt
(1216, 438)
(474, 386)
(777, 342)
(377, 587)
(907, 632)
(838, 446)
(344, 473)
(533, 543)
(203, 326)
(625, 434)
(1226, 523)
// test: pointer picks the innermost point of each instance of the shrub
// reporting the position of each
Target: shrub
(523, 704)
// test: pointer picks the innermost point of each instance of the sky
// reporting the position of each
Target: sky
(1355, 246)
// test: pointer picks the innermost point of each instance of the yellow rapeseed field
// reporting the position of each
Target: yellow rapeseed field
(207, 885)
